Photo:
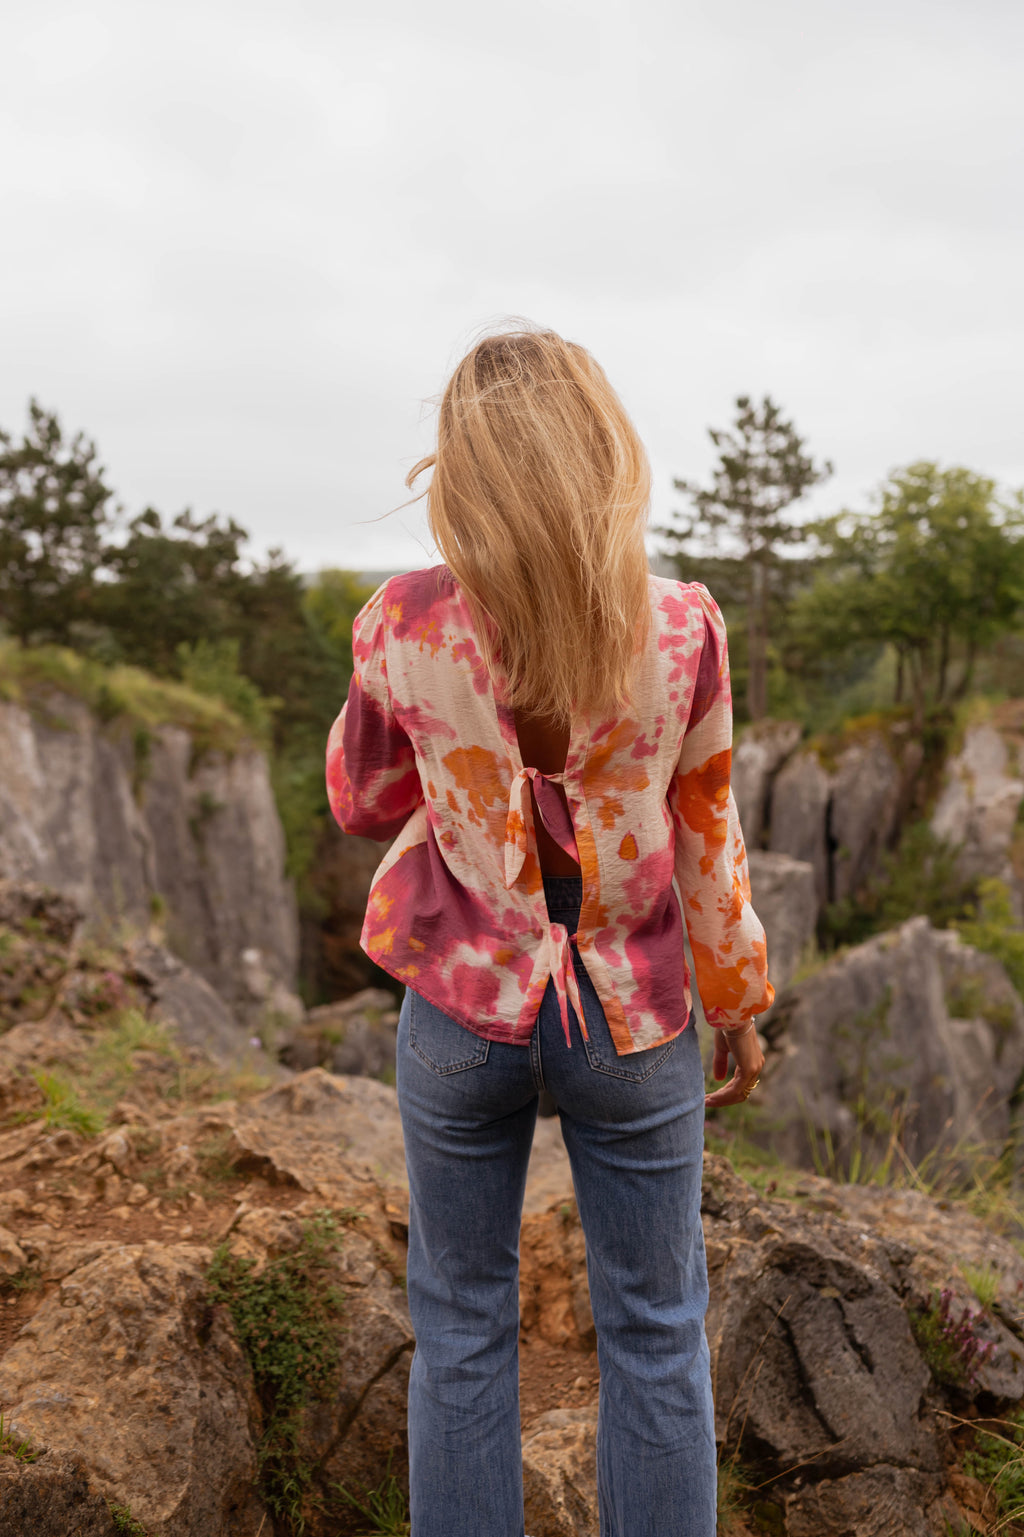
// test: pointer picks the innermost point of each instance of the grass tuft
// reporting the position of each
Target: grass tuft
(19, 1447)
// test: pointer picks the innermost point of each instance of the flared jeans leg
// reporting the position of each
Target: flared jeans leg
(468, 1132)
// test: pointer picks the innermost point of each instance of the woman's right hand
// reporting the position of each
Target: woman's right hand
(745, 1049)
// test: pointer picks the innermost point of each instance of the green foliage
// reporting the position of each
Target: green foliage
(996, 931)
(953, 1351)
(18, 1447)
(384, 1509)
(920, 876)
(62, 1106)
(118, 693)
(287, 1318)
(984, 1281)
(210, 667)
(125, 1522)
(997, 1461)
(54, 509)
(741, 528)
(936, 571)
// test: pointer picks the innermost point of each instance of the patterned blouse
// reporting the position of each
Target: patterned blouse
(426, 750)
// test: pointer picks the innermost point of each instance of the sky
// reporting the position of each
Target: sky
(244, 245)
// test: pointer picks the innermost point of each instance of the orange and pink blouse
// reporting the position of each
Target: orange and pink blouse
(425, 752)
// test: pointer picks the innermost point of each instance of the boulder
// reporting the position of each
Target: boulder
(910, 1034)
(51, 1497)
(353, 1035)
(560, 1474)
(979, 807)
(786, 901)
(863, 813)
(799, 809)
(756, 758)
(814, 1358)
(174, 1440)
(196, 1014)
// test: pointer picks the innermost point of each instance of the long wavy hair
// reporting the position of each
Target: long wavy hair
(538, 502)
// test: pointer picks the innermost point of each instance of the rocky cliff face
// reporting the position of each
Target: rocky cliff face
(841, 811)
(129, 823)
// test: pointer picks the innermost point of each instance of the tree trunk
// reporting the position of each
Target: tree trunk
(917, 688)
(968, 674)
(943, 663)
(900, 660)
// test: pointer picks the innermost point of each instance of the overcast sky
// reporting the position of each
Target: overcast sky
(243, 244)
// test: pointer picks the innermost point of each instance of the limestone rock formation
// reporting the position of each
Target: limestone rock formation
(756, 758)
(786, 901)
(979, 808)
(911, 1031)
(864, 811)
(82, 813)
(799, 809)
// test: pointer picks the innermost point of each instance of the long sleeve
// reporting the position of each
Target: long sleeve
(373, 784)
(726, 935)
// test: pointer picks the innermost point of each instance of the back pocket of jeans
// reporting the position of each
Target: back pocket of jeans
(634, 1065)
(440, 1041)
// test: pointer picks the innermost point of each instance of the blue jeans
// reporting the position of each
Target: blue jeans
(634, 1130)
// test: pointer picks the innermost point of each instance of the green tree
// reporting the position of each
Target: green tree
(55, 507)
(936, 571)
(171, 584)
(737, 532)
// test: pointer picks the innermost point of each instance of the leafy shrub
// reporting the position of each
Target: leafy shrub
(920, 877)
(125, 1522)
(952, 1350)
(287, 1319)
(996, 931)
(211, 667)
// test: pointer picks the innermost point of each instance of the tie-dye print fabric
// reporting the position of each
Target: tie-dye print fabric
(425, 752)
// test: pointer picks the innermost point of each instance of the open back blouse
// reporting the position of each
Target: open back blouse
(425, 751)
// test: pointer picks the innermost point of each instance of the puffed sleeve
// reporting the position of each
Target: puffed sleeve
(726, 935)
(373, 784)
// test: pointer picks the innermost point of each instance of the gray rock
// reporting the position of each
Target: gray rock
(785, 900)
(352, 1035)
(197, 1014)
(978, 807)
(875, 1043)
(51, 1497)
(799, 808)
(756, 758)
(883, 1501)
(863, 813)
(202, 838)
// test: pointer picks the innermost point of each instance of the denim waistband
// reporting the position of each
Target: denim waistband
(564, 897)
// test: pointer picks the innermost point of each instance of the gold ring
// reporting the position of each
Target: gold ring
(748, 1091)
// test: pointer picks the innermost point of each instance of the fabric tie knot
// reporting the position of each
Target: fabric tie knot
(553, 814)
(559, 946)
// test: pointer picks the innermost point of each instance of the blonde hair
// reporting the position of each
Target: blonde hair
(538, 502)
